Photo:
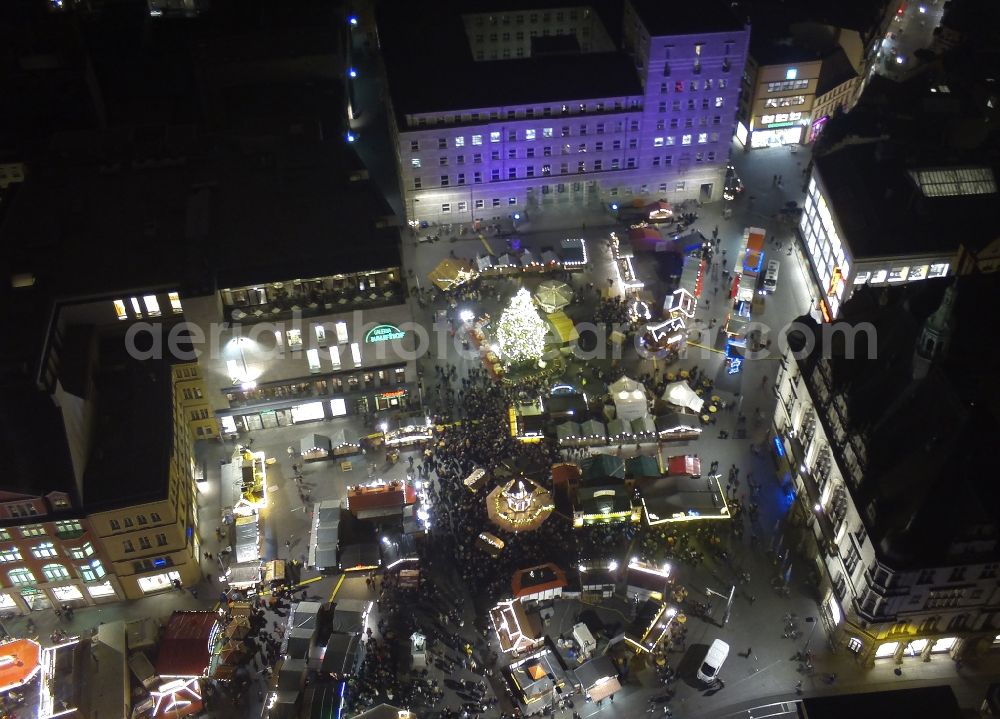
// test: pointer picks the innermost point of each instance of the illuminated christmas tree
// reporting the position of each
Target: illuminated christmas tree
(521, 331)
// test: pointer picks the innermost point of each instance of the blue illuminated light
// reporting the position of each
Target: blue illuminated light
(760, 263)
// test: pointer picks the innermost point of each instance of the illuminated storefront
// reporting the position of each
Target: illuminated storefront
(777, 133)
(836, 272)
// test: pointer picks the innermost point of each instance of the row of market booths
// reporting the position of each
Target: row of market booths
(571, 254)
(629, 420)
(657, 488)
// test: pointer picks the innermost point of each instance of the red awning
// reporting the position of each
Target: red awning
(685, 464)
(184, 649)
(700, 282)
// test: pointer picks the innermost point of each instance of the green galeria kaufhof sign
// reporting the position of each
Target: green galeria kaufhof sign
(384, 333)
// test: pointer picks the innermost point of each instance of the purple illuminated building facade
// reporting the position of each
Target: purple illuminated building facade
(497, 112)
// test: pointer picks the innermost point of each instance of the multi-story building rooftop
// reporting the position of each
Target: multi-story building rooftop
(883, 428)
(894, 179)
(500, 110)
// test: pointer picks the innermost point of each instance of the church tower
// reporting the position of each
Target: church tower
(935, 335)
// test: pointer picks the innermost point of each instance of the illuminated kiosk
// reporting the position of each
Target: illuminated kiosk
(683, 498)
(540, 676)
(521, 505)
(598, 677)
(516, 631)
(651, 625)
(644, 581)
(20, 661)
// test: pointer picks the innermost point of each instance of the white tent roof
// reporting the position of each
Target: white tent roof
(630, 399)
(681, 395)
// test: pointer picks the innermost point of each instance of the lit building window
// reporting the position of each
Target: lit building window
(55, 572)
(93, 571)
(120, 310)
(45, 549)
(313, 356)
(21, 576)
(152, 305)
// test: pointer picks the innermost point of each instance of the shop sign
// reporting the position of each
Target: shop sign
(384, 333)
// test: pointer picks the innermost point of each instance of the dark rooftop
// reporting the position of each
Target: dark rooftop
(681, 18)
(554, 78)
(132, 438)
(882, 212)
(416, 44)
(835, 71)
(927, 439)
(936, 702)
(33, 441)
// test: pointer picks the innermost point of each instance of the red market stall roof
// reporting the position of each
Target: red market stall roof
(642, 237)
(688, 464)
(535, 580)
(184, 649)
(391, 495)
(564, 474)
(20, 660)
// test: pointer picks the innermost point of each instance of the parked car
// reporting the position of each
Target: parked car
(717, 653)
(770, 283)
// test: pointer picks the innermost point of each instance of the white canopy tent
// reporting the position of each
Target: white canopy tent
(630, 399)
(681, 395)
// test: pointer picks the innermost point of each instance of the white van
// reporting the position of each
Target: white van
(717, 653)
(771, 276)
